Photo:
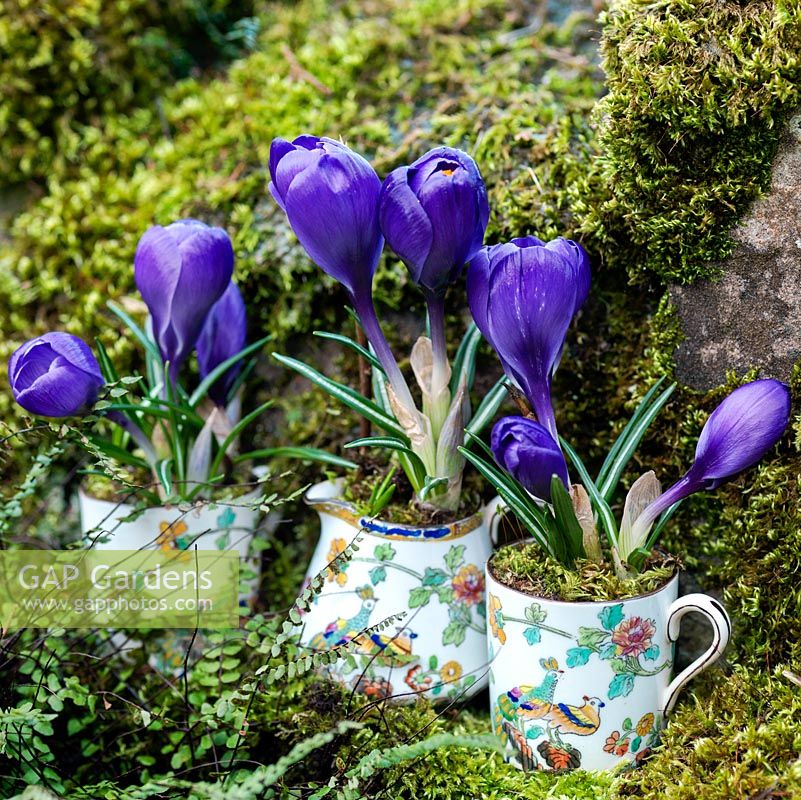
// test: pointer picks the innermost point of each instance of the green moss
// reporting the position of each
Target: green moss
(737, 738)
(65, 64)
(527, 568)
(686, 136)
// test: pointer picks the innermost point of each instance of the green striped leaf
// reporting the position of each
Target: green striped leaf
(346, 395)
(220, 369)
(351, 344)
(602, 508)
(631, 436)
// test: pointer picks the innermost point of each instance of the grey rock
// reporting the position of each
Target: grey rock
(751, 316)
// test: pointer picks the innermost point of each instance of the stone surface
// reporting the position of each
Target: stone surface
(751, 316)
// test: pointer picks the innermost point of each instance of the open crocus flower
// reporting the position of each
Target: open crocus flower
(523, 296)
(434, 214)
(526, 450)
(181, 271)
(55, 375)
(223, 335)
(738, 433)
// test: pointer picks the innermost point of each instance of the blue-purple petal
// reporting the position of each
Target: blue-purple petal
(526, 450)
(740, 431)
(223, 335)
(434, 214)
(181, 271)
(55, 375)
(330, 196)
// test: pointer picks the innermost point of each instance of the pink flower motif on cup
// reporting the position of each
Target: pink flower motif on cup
(633, 636)
(468, 585)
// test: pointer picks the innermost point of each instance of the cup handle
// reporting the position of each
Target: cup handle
(721, 625)
(492, 518)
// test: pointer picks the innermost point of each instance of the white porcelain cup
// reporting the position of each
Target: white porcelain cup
(432, 575)
(588, 684)
(225, 525)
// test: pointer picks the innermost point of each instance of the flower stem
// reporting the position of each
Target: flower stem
(440, 373)
(137, 434)
(375, 335)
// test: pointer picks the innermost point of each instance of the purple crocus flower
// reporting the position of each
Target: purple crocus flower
(55, 375)
(434, 214)
(526, 450)
(738, 433)
(330, 196)
(223, 335)
(181, 271)
(523, 296)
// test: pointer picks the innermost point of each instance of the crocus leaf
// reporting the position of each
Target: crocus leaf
(486, 410)
(431, 483)
(232, 436)
(601, 506)
(106, 366)
(207, 382)
(465, 360)
(302, 453)
(351, 344)
(345, 394)
(118, 453)
(628, 441)
(398, 445)
(566, 519)
(513, 495)
(163, 471)
(144, 340)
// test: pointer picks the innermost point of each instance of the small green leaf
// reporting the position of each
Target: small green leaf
(384, 552)
(454, 633)
(611, 616)
(454, 558)
(621, 685)
(591, 637)
(377, 575)
(535, 613)
(578, 656)
(434, 577)
(419, 596)
(532, 635)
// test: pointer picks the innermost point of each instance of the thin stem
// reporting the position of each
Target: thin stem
(436, 322)
(375, 335)
(136, 433)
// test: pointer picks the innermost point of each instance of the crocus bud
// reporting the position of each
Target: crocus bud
(526, 450)
(434, 214)
(55, 375)
(738, 433)
(523, 296)
(223, 335)
(181, 271)
(330, 196)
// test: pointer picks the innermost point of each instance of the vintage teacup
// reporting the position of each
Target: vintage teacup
(432, 577)
(588, 684)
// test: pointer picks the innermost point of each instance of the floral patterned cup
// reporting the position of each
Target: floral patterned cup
(433, 576)
(587, 684)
